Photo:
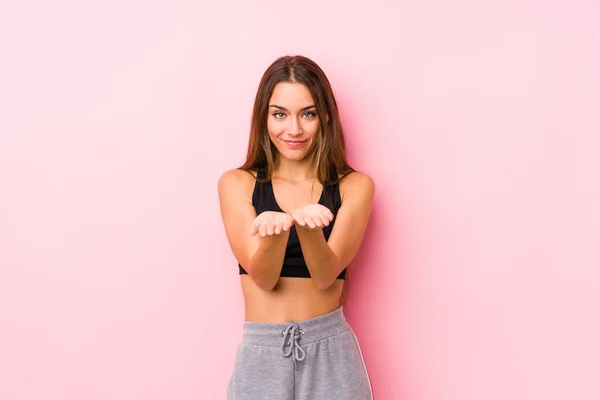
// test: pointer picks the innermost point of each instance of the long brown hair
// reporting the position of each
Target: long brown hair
(329, 156)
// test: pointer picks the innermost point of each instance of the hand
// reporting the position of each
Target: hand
(271, 223)
(313, 216)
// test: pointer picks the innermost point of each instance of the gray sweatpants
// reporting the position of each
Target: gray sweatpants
(315, 359)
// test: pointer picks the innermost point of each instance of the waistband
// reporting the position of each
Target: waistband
(308, 331)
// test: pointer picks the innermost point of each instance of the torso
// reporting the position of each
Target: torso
(291, 196)
(292, 299)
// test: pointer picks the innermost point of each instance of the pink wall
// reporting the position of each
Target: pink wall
(479, 275)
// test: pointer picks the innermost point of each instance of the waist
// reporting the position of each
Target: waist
(292, 299)
(312, 330)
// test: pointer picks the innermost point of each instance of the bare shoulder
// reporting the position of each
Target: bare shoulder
(357, 184)
(236, 181)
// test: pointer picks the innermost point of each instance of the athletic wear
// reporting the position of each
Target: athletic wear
(263, 199)
(314, 359)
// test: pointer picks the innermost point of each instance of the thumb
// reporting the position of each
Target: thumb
(253, 229)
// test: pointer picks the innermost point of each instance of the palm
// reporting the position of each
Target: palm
(312, 216)
(271, 223)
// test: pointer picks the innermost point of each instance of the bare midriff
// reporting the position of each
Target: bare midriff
(291, 300)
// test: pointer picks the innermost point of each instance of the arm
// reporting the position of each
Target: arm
(326, 259)
(321, 261)
(264, 267)
(261, 257)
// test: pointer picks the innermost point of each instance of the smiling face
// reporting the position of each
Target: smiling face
(292, 121)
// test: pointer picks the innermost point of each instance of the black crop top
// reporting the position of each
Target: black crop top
(263, 199)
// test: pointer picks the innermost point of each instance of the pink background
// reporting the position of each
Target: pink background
(479, 276)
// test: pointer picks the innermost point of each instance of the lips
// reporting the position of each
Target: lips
(295, 143)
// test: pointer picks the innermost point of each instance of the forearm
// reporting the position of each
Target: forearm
(323, 264)
(265, 264)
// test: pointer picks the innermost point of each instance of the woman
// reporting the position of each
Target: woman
(295, 214)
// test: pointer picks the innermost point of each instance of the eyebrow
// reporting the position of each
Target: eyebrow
(284, 109)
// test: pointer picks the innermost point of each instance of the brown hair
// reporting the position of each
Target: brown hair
(329, 156)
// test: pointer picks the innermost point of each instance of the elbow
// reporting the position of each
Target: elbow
(323, 283)
(263, 281)
(326, 278)
(265, 286)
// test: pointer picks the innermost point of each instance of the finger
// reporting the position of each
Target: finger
(287, 224)
(299, 219)
(279, 227)
(326, 212)
(326, 221)
(255, 225)
(309, 221)
(263, 230)
(323, 220)
(270, 228)
(318, 221)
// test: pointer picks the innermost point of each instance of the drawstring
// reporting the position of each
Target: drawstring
(291, 335)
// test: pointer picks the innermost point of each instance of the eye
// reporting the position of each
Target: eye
(310, 114)
(278, 114)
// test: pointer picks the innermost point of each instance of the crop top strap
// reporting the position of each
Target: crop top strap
(332, 196)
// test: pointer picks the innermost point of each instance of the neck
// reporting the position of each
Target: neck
(295, 170)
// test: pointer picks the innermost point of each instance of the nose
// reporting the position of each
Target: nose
(295, 128)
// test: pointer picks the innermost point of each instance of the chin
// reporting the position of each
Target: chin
(294, 157)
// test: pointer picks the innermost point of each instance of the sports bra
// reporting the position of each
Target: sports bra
(263, 199)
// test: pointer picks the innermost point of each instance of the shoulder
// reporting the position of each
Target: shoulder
(237, 176)
(357, 184)
(236, 180)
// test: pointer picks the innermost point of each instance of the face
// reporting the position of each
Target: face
(292, 122)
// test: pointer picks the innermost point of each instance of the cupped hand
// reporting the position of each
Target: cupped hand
(312, 216)
(270, 223)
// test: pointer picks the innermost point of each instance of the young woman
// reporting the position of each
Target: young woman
(295, 214)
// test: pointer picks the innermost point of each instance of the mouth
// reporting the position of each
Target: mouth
(295, 143)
